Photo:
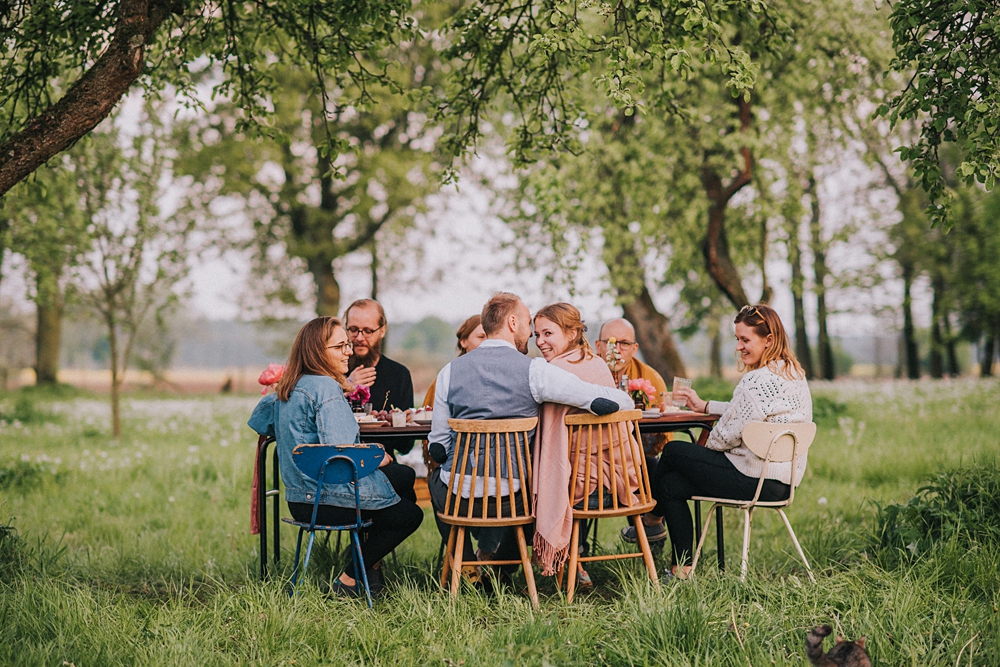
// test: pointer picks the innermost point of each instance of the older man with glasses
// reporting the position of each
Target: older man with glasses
(624, 334)
(389, 381)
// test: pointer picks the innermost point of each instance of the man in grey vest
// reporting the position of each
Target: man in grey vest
(498, 381)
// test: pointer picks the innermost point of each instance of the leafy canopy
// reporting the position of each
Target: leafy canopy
(952, 50)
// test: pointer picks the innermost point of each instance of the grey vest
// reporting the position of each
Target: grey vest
(490, 383)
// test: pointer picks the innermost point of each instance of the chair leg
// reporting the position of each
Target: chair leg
(559, 576)
(359, 564)
(529, 574)
(574, 561)
(701, 541)
(745, 558)
(439, 561)
(295, 568)
(446, 564)
(647, 553)
(795, 541)
(456, 560)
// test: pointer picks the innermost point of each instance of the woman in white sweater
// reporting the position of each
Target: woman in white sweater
(773, 390)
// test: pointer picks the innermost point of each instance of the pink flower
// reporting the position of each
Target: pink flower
(362, 394)
(642, 385)
(270, 377)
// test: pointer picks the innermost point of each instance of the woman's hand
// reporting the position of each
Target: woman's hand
(386, 460)
(362, 376)
(691, 399)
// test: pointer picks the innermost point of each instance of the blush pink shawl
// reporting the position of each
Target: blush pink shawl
(552, 470)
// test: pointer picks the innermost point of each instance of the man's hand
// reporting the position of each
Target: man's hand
(362, 376)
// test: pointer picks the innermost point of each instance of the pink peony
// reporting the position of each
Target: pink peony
(642, 385)
(270, 376)
(362, 394)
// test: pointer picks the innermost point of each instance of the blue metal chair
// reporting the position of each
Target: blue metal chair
(335, 464)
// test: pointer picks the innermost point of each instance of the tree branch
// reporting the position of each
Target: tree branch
(91, 98)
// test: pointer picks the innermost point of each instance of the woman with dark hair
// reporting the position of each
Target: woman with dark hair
(773, 390)
(309, 407)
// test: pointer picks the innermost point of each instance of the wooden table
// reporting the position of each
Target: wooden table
(670, 422)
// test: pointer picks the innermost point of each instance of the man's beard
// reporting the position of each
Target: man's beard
(521, 341)
(368, 360)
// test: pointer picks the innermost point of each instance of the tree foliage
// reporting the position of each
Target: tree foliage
(530, 52)
(951, 52)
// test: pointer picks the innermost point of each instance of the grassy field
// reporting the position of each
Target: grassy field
(137, 552)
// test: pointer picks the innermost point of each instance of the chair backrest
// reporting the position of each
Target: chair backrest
(309, 459)
(603, 449)
(779, 443)
(491, 457)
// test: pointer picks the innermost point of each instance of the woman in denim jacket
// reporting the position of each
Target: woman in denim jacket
(309, 407)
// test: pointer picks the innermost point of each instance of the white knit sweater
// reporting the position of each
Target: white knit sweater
(761, 396)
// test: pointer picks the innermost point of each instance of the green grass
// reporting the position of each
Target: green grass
(137, 552)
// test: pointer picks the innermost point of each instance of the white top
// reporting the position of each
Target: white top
(761, 396)
(547, 383)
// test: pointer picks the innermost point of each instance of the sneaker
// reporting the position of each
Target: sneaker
(656, 533)
(583, 580)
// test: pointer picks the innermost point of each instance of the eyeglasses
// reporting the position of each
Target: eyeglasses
(355, 331)
(346, 346)
(620, 344)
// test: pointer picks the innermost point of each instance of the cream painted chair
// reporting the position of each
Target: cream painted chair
(773, 443)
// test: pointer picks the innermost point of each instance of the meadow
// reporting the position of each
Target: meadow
(137, 552)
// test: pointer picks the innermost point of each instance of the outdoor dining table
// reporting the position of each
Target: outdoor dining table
(671, 422)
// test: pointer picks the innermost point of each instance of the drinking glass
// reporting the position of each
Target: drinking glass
(367, 407)
(674, 398)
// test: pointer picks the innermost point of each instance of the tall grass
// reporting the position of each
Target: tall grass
(136, 551)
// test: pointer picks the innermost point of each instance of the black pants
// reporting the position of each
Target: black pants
(686, 469)
(390, 526)
(402, 479)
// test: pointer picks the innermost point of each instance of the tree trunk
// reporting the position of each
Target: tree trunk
(715, 246)
(798, 289)
(374, 269)
(116, 381)
(825, 352)
(48, 334)
(91, 98)
(950, 346)
(986, 359)
(910, 350)
(715, 348)
(652, 331)
(937, 332)
(327, 287)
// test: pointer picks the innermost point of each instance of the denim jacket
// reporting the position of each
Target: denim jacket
(316, 412)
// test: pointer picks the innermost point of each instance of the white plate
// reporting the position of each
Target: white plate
(650, 414)
(422, 422)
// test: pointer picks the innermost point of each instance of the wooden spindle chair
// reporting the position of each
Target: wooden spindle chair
(482, 447)
(600, 450)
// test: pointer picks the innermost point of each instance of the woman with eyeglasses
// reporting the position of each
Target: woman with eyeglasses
(309, 407)
(774, 390)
